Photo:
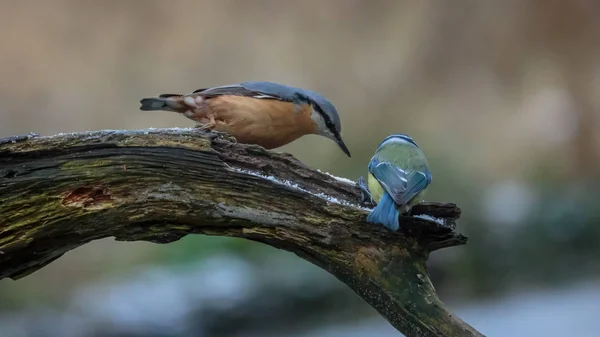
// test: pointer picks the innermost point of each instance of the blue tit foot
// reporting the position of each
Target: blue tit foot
(365, 194)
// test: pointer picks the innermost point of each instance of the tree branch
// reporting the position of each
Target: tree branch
(60, 192)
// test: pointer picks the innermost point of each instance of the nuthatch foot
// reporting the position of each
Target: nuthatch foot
(262, 113)
(397, 179)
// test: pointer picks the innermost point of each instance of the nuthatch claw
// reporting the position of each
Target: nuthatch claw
(261, 113)
(203, 127)
(212, 135)
(226, 136)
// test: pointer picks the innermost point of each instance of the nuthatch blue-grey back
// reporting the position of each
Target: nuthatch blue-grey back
(263, 113)
(397, 179)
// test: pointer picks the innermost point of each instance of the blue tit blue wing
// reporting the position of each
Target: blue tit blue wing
(402, 185)
(386, 212)
(392, 178)
(416, 182)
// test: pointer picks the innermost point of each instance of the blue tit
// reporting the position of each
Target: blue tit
(397, 179)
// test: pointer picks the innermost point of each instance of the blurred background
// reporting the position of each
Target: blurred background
(502, 97)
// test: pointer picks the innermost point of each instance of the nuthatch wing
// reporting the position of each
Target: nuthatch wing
(397, 179)
(263, 113)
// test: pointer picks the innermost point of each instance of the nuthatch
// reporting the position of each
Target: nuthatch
(263, 113)
(397, 179)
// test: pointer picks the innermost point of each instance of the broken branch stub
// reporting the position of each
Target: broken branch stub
(158, 185)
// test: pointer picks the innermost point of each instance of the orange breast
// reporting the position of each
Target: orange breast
(268, 123)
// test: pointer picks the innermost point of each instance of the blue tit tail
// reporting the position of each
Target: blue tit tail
(386, 213)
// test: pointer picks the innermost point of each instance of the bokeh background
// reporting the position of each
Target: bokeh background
(501, 95)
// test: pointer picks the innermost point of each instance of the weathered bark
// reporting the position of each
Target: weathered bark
(60, 192)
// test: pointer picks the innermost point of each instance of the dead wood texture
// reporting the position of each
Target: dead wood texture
(60, 192)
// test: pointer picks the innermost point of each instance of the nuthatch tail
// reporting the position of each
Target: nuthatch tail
(263, 113)
(397, 179)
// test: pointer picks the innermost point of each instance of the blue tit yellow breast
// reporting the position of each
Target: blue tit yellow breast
(375, 188)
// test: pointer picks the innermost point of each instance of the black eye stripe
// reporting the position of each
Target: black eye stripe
(326, 118)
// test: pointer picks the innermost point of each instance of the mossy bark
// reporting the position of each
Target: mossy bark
(60, 192)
